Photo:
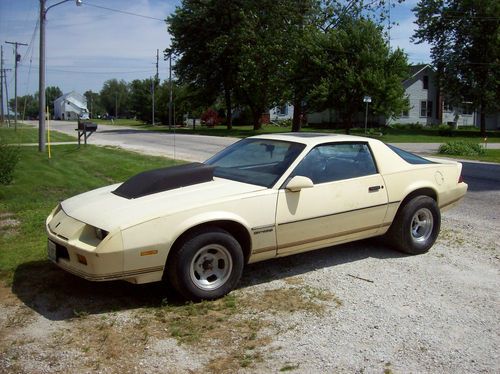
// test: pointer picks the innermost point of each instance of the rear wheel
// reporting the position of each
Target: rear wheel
(416, 226)
(207, 265)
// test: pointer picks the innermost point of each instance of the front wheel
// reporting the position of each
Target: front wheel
(416, 226)
(207, 265)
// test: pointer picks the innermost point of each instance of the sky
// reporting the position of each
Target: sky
(87, 45)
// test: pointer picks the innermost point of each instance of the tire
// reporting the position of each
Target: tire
(207, 265)
(416, 226)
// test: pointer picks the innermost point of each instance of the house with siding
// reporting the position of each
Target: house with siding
(70, 106)
(428, 106)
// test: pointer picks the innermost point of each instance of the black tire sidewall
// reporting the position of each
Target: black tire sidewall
(180, 271)
(408, 244)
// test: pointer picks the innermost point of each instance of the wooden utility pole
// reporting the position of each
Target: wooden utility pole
(17, 59)
(1, 85)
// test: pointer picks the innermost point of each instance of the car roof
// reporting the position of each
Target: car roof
(313, 138)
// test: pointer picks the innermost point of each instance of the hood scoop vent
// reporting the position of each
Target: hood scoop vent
(158, 180)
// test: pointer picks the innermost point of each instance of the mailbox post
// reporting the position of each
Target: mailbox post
(367, 99)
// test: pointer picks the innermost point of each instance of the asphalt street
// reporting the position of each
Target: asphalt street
(479, 176)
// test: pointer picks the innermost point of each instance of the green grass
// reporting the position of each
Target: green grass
(26, 134)
(118, 122)
(39, 184)
(391, 135)
(492, 155)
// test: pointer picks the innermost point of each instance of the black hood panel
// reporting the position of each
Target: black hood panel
(158, 180)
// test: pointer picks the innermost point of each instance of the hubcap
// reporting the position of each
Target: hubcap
(211, 267)
(421, 225)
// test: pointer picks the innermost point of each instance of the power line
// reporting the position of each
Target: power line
(92, 72)
(122, 11)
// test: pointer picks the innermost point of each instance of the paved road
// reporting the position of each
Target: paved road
(179, 146)
(187, 147)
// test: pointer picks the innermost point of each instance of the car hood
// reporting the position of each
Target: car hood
(103, 209)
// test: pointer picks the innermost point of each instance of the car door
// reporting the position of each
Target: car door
(347, 202)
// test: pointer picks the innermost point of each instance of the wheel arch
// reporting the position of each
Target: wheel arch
(422, 191)
(236, 229)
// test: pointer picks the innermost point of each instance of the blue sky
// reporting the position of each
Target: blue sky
(87, 45)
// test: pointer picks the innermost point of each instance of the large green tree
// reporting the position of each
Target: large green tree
(354, 60)
(94, 104)
(115, 97)
(52, 93)
(205, 36)
(465, 48)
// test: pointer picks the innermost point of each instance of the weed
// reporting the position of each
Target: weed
(289, 367)
(461, 148)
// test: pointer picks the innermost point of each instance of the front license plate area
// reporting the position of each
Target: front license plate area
(52, 251)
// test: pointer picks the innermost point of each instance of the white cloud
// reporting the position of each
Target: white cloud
(401, 37)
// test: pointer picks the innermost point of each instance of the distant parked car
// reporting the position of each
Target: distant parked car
(263, 197)
(84, 116)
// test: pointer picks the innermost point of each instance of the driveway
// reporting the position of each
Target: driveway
(353, 308)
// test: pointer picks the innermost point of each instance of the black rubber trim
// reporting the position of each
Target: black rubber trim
(158, 180)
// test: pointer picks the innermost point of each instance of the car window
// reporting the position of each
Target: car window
(255, 161)
(409, 157)
(332, 162)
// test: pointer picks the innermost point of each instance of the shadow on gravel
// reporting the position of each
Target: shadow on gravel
(58, 295)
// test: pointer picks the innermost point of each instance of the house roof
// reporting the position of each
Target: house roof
(415, 69)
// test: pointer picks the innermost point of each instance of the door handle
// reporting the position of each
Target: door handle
(374, 188)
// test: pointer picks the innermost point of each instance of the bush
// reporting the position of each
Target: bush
(445, 130)
(210, 118)
(461, 148)
(9, 156)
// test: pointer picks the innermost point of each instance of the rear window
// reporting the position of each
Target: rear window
(409, 157)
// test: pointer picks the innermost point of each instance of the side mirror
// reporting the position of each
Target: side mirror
(299, 182)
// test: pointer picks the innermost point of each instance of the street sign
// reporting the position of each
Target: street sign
(367, 99)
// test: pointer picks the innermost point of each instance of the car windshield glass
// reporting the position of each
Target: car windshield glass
(409, 157)
(255, 161)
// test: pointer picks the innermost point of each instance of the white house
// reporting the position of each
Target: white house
(428, 106)
(70, 106)
(280, 113)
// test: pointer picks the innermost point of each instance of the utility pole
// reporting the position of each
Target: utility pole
(153, 87)
(1, 85)
(17, 59)
(170, 81)
(4, 75)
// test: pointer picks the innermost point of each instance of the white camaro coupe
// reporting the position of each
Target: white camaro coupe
(267, 196)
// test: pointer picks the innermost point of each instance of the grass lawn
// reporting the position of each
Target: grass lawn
(26, 134)
(39, 184)
(391, 136)
(492, 155)
(118, 122)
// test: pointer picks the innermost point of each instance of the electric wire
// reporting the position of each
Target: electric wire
(122, 11)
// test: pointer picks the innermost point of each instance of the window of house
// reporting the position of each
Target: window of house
(447, 107)
(333, 162)
(467, 110)
(426, 82)
(423, 108)
(282, 110)
(405, 113)
(426, 108)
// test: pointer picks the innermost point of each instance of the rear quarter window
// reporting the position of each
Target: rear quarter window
(409, 157)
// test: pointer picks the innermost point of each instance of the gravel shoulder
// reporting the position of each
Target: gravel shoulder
(360, 307)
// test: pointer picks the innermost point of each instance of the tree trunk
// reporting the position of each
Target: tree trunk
(229, 111)
(483, 122)
(297, 110)
(257, 125)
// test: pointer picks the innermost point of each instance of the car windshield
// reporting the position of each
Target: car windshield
(255, 161)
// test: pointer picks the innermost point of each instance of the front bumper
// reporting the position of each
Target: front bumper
(73, 246)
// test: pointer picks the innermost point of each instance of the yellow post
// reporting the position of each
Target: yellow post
(48, 131)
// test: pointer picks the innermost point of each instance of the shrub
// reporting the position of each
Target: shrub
(461, 148)
(211, 118)
(445, 130)
(9, 156)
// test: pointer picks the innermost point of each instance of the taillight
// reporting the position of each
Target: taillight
(460, 179)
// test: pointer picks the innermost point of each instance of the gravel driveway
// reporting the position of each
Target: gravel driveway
(360, 307)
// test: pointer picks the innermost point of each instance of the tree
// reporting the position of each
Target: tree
(141, 99)
(94, 104)
(354, 61)
(28, 105)
(52, 93)
(205, 36)
(115, 97)
(465, 48)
